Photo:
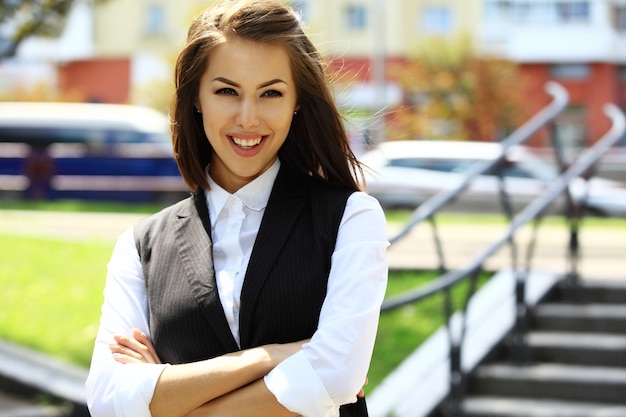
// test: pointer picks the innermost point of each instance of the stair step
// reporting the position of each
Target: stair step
(559, 381)
(602, 318)
(528, 407)
(596, 291)
(595, 349)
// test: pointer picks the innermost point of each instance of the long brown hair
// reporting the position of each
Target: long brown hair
(317, 143)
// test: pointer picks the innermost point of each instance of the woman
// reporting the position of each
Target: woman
(261, 292)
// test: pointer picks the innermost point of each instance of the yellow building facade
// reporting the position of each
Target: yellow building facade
(359, 35)
(349, 28)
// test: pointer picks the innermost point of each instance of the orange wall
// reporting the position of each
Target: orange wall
(602, 87)
(98, 80)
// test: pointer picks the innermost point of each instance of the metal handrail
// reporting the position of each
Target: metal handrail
(427, 209)
(533, 212)
(559, 101)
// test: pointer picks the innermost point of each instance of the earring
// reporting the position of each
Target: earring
(295, 112)
(198, 110)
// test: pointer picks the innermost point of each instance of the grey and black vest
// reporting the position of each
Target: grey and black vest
(284, 286)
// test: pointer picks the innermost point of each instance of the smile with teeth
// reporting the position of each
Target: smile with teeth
(247, 143)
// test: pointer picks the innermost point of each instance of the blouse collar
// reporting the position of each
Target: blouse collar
(253, 195)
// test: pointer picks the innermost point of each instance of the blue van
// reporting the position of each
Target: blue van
(87, 151)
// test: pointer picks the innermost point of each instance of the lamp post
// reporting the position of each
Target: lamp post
(379, 26)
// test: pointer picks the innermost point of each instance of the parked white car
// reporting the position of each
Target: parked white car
(407, 173)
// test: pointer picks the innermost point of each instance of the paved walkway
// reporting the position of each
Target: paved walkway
(603, 249)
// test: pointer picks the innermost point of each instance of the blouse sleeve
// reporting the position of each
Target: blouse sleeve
(114, 389)
(331, 369)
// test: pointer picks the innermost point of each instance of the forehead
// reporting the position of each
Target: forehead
(245, 61)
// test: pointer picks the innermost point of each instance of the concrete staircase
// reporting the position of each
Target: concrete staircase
(576, 360)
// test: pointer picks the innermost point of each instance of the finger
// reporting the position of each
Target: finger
(122, 350)
(120, 358)
(134, 345)
(128, 342)
(145, 340)
(150, 352)
(125, 359)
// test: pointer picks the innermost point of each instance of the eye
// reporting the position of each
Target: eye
(226, 91)
(272, 93)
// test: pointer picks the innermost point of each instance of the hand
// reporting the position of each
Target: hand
(135, 349)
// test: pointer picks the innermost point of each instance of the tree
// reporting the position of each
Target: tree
(452, 93)
(20, 19)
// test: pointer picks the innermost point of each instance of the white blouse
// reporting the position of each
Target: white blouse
(328, 371)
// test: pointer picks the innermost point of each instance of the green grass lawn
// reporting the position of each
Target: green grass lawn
(51, 294)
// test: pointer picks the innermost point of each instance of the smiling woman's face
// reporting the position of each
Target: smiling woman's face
(247, 98)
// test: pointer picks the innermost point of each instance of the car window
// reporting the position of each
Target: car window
(47, 136)
(533, 169)
(516, 171)
(441, 165)
(510, 170)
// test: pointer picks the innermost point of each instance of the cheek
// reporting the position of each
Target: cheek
(213, 118)
(279, 119)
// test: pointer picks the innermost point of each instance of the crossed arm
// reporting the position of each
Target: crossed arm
(226, 385)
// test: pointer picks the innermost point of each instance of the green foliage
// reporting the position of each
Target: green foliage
(453, 93)
(33, 17)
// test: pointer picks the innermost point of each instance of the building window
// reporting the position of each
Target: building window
(621, 73)
(572, 11)
(356, 17)
(570, 130)
(155, 19)
(619, 18)
(570, 71)
(498, 10)
(523, 12)
(436, 20)
(545, 11)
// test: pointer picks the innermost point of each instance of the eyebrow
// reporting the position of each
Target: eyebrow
(263, 85)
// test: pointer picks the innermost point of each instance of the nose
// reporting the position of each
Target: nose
(248, 114)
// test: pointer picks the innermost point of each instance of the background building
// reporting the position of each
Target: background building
(579, 43)
(124, 50)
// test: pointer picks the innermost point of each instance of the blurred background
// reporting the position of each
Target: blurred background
(405, 70)
(429, 88)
